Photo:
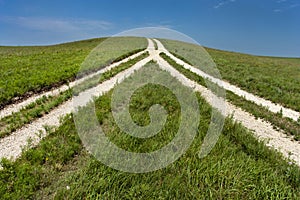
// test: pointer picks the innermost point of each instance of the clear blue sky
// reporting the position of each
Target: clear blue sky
(262, 27)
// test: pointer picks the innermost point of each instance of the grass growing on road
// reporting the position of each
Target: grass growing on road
(31, 112)
(239, 167)
(27, 70)
(289, 126)
(273, 78)
(45, 104)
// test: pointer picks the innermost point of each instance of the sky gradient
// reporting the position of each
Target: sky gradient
(260, 27)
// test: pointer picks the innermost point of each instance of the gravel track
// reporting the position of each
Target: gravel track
(261, 129)
(11, 146)
(10, 109)
(275, 108)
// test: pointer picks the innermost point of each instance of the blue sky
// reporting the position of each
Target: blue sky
(261, 27)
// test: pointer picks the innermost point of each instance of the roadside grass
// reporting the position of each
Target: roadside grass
(289, 126)
(239, 166)
(31, 112)
(27, 70)
(155, 45)
(45, 104)
(273, 78)
(95, 80)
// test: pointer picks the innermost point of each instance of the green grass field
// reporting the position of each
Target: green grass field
(27, 70)
(288, 126)
(45, 104)
(273, 78)
(239, 167)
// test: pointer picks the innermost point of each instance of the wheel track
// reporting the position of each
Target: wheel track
(11, 146)
(261, 129)
(275, 108)
(10, 109)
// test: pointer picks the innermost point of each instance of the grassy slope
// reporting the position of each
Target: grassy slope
(239, 167)
(45, 104)
(276, 79)
(25, 69)
(289, 126)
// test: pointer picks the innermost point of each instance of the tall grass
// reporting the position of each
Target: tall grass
(239, 167)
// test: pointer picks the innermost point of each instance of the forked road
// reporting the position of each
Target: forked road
(11, 146)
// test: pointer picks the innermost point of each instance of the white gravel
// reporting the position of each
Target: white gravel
(8, 110)
(275, 108)
(261, 129)
(11, 146)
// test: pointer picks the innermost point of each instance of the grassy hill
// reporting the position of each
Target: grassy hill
(239, 166)
(273, 78)
(24, 70)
